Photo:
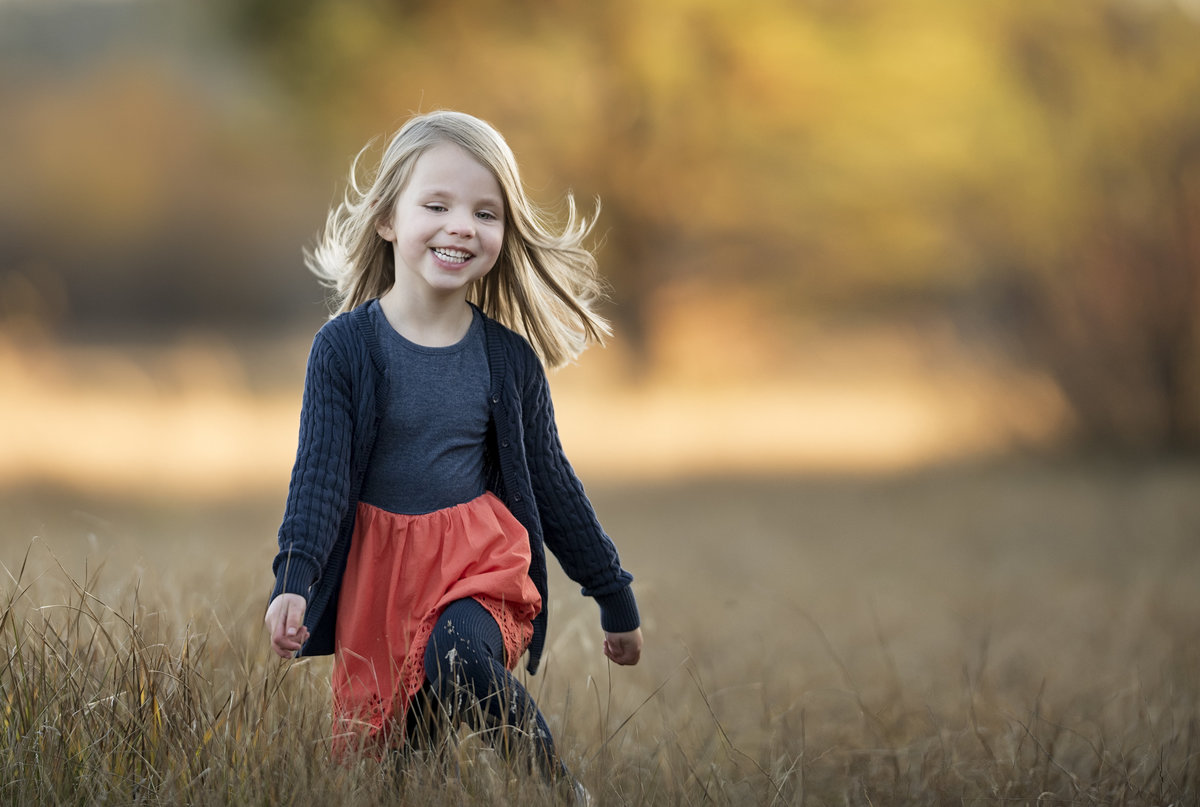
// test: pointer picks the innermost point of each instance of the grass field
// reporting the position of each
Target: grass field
(1016, 633)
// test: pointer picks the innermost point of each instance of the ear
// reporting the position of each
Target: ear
(383, 224)
(385, 230)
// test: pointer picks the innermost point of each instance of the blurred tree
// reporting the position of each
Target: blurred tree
(580, 90)
(1094, 245)
(791, 148)
(147, 187)
(1037, 163)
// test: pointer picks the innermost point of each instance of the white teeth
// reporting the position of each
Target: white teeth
(455, 255)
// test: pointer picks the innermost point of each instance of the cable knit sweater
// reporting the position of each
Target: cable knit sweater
(345, 393)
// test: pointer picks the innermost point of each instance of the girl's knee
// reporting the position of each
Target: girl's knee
(449, 658)
(459, 651)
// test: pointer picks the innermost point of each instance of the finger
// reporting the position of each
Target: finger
(279, 628)
(275, 624)
(281, 637)
(295, 618)
(283, 647)
(272, 616)
(276, 616)
(617, 650)
(630, 652)
(287, 646)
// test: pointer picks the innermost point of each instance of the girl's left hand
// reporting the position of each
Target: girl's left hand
(624, 648)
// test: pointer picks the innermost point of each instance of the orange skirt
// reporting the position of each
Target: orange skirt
(401, 573)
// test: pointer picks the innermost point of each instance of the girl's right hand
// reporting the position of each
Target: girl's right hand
(285, 620)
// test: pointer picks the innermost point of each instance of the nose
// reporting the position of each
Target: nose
(462, 226)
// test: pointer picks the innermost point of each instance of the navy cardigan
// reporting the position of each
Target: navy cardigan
(345, 394)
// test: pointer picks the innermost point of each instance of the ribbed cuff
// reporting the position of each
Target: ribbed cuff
(619, 611)
(294, 575)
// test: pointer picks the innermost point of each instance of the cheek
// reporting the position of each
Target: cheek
(496, 242)
(494, 262)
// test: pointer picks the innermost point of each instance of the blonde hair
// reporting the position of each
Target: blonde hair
(545, 283)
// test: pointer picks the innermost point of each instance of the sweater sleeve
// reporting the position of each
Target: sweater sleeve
(571, 529)
(320, 480)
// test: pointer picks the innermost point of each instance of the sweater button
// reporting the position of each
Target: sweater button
(516, 497)
(495, 399)
(504, 443)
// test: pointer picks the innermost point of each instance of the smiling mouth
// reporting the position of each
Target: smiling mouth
(453, 255)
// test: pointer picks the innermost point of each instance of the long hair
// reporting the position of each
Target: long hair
(545, 283)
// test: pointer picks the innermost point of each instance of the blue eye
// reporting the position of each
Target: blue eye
(435, 208)
(487, 215)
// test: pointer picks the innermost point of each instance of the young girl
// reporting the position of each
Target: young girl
(429, 478)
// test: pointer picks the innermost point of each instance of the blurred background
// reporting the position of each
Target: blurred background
(841, 234)
(902, 413)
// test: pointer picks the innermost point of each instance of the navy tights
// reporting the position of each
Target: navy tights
(468, 682)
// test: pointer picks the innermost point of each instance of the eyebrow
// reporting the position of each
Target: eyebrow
(495, 201)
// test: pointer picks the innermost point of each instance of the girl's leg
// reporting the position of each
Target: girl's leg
(464, 662)
(423, 726)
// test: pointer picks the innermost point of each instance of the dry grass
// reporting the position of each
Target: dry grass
(1017, 634)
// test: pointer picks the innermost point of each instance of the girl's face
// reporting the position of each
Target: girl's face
(447, 226)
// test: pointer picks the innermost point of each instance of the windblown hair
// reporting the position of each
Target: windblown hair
(545, 283)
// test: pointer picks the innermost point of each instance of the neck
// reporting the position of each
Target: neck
(436, 322)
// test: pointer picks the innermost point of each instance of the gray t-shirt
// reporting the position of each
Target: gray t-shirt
(429, 451)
